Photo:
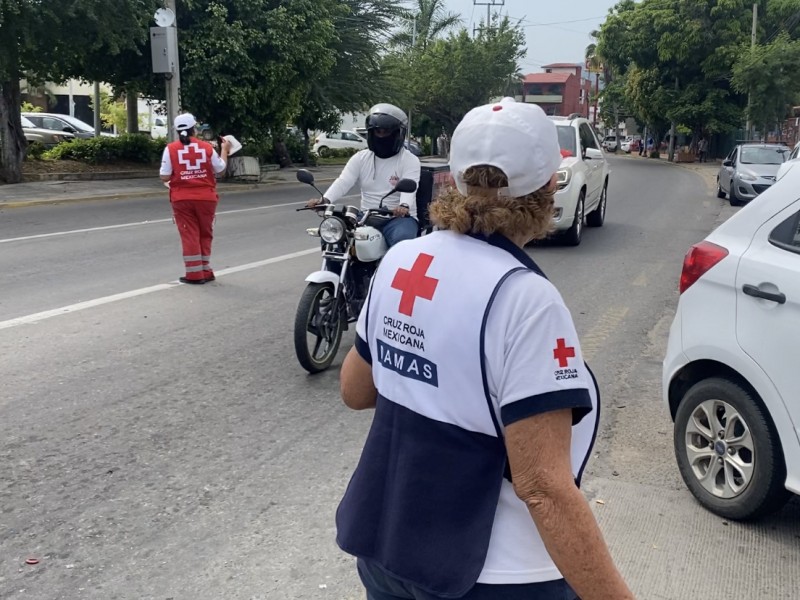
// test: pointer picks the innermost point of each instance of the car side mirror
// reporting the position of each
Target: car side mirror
(593, 154)
(727, 163)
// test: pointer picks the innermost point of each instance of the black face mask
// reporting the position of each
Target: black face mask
(385, 147)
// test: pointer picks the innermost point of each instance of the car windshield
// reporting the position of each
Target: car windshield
(763, 156)
(27, 123)
(566, 139)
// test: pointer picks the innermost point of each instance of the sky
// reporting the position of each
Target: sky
(556, 30)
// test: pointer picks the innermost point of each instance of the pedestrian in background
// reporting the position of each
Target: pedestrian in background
(485, 413)
(702, 150)
(190, 167)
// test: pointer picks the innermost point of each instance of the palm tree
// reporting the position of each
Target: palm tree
(432, 20)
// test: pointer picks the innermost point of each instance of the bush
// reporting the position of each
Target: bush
(655, 154)
(103, 150)
(340, 152)
(264, 150)
(35, 150)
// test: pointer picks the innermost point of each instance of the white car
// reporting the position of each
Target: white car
(789, 163)
(340, 139)
(610, 143)
(730, 375)
(582, 180)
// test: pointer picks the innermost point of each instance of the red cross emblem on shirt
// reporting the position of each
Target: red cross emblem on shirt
(191, 157)
(415, 284)
(562, 353)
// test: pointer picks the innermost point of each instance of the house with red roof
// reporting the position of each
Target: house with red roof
(561, 89)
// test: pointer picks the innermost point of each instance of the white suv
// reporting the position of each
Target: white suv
(582, 180)
(339, 139)
(731, 377)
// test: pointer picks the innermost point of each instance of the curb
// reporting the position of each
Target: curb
(141, 195)
(90, 176)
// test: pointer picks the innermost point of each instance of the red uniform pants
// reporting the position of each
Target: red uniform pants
(195, 221)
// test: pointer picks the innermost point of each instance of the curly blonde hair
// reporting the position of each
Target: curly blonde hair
(483, 211)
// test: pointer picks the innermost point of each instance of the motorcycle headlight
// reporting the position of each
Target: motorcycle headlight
(563, 176)
(331, 230)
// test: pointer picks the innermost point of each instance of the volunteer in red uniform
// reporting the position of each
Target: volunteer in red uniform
(190, 166)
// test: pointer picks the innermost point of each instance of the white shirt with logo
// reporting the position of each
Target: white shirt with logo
(376, 177)
(465, 337)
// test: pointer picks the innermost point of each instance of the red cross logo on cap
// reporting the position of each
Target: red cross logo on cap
(415, 284)
(191, 157)
(562, 353)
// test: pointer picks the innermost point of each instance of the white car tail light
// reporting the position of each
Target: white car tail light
(699, 259)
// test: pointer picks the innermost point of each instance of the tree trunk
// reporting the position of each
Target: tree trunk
(616, 128)
(12, 138)
(282, 153)
(132, 104)
(306, 146)
(671, 151)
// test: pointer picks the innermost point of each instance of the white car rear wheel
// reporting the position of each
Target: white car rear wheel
(728, 450)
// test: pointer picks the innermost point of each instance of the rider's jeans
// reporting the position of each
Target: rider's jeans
(399, 229)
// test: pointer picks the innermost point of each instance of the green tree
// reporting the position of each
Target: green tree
(356, 79)
(455, 74)
(682, 52)
(769, 73)
(425, 22)
(42, 41)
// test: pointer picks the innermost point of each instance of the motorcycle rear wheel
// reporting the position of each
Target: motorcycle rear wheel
(317, 333)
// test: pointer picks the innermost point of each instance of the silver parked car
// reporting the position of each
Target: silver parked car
(46, 137)
(749, 170)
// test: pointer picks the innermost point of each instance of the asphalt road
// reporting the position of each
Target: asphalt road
(160, 441)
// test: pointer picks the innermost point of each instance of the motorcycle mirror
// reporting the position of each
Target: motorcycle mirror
(406, 186)
(305, 176)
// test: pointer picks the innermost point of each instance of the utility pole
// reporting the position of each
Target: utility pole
(750, 94)
(173, 82)
(413, 49)
(488, 4)
(97, 120)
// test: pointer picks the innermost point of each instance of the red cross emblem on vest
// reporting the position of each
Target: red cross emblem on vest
(562, 353)
(415, 283)
(191, 157)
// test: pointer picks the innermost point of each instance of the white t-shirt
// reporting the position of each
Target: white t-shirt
(376, 177)
(166, 161)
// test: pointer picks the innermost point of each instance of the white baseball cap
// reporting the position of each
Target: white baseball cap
(517, 138)
(184, 121)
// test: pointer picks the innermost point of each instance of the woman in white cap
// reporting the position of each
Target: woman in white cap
(190, 167)
(485, 413)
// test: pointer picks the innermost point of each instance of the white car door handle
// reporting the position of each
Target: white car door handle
(755, 292)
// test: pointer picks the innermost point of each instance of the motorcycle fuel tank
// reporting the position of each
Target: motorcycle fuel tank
(370, 244)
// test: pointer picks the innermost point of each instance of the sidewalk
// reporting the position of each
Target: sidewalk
(56, 192)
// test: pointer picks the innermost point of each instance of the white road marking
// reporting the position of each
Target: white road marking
(136, 224)
(140, 223)
(48, 314)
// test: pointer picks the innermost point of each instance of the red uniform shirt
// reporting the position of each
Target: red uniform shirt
(192, 173)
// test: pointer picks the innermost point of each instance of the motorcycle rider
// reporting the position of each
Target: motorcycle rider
(377, 169)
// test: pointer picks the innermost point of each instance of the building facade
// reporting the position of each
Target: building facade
(561, 89)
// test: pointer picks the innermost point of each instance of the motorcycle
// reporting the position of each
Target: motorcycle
(352, 247)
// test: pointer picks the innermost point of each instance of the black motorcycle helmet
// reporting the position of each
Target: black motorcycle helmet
(390, 118)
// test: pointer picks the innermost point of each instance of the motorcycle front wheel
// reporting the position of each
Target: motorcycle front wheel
(317, 328)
